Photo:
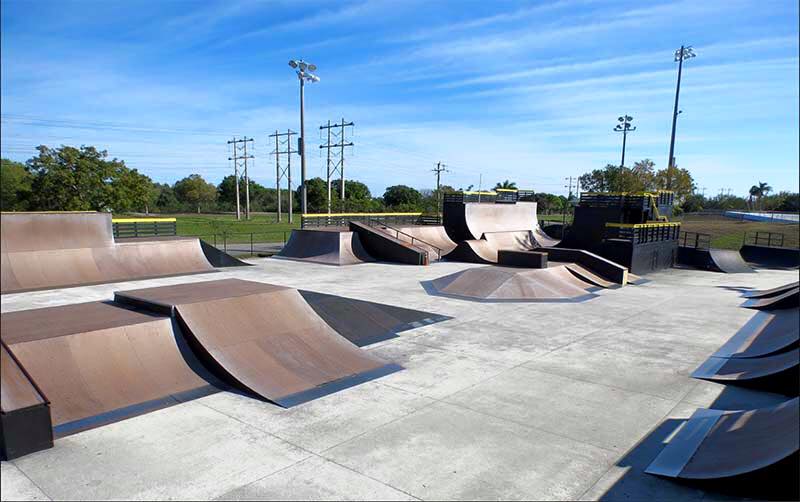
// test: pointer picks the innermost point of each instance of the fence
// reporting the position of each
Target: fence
(768, 239)
(342, 219)
(641, 233)
(143, 227)
(695, 240)
(246, 243)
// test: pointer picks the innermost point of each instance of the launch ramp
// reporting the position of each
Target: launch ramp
(264, 338)
(765, 333)
(720, 444)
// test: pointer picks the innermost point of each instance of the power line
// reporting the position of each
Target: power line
(286, 172)
(240, 145)
(335, 161)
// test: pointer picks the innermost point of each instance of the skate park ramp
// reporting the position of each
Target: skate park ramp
(766, 293)
(364, 323)
(716, 444)
(99, 363)
(723, 369)
(764, 334)
(715, 260)
(325, 246)
(771, 257)
(262, 338)
(510, 284)
(589, 276)
(59, 250)
(474, 251)
(432, 238)
(470, 220)
(785, 300)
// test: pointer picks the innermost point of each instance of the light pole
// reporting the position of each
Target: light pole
(303, 74)
(680, 55)
(624, 127)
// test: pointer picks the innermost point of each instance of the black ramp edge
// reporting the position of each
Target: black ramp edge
(336, 386)
(384, 247)
(220, 259)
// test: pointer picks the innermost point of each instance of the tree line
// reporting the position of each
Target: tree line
(88, 179)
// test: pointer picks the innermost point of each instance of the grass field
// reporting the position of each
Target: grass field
(727, 233)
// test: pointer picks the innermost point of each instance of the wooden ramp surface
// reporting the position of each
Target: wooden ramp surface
(765, 293)
(328, 247)
(767, 332)
(264, 338)
(720, 444)
(724, 369)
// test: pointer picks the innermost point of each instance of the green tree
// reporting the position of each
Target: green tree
(131, 191)
(508, 185)
(195, 191)
(72, 179)
(353, 190)
(678, 180)
(165, 199)
(402, 195)
(15, 186)
(316, 195)
(693, 203)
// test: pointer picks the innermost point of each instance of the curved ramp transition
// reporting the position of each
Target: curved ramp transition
(98, 363)
(264, 338)
(765, 333)
(59, 250)
(512, 284)
(723, 369)
(432, 238)
(785, 300)
(719, 444)
(329, 247)
(470, 220)
(716, 260)
(766, 293)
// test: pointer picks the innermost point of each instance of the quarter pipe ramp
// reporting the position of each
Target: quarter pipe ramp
(470, 220)
(723, 369)
(785, 300)
(59, 250)
(716, 260)
(766, 293)
(720, 444)
(329, 247)
(765, 333)
(263, 338)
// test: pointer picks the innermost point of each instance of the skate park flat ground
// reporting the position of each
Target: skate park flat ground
(504, 401)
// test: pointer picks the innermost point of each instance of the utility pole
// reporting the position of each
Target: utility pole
(440, 168)
(624, 127)
(680, 55)
(336, 131)
(286, 172)
(239, 158)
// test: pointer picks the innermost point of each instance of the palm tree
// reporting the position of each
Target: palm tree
(753, 193)
(760, 191)
(509, 185)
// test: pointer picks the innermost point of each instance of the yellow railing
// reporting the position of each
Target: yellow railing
(143, 220)
(643, 225)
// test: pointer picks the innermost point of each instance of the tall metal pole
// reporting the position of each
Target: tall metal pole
(341, 163)
(328, 167)
(681, 54)
(278, 172)
(624, 140)
(303, 191)
(236, 179)
(246, 184)
(289, 171)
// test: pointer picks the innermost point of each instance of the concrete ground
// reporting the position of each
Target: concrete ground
(504, 401)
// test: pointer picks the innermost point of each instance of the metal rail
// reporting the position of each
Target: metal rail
(399, 232)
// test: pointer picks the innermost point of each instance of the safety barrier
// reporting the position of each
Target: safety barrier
(641, 233)
(695, 240)
(768, 239)
(143, 227)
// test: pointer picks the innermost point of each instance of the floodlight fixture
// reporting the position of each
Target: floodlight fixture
(293, 63)
(624, 127)
(681, 55)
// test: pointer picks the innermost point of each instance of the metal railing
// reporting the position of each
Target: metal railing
(143, 227)
(695, 240)
(244, 243)
(768, 239)
(641, 233)
(343, 219)
(398, 233)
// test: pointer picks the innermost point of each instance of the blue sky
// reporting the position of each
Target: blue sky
(526, 91)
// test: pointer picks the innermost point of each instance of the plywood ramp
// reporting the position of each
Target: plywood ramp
(98, 362)
(329, 247)
(720, 444)
(495, 283)
(788, 299)
(265, 338)
(765, 293)
(430, 234)
(765, 333)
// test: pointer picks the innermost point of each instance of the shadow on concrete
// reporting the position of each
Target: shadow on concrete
(780, 481)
